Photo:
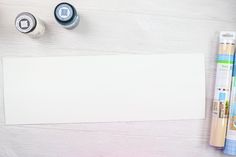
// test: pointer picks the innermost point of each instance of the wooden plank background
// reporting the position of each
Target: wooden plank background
(112, 27)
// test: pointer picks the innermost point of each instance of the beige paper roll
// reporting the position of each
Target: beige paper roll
(220, 110)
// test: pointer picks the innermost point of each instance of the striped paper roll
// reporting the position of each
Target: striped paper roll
(230, 143)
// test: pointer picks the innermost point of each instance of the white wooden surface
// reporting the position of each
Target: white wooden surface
(117, 26)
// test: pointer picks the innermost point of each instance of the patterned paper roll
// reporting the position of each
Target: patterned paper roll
(230, 143)
(220, 109)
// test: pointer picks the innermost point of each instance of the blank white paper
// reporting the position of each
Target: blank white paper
(103, 88)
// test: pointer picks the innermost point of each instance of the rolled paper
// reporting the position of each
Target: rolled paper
(230, 143)
(220, 108)
(28, 24)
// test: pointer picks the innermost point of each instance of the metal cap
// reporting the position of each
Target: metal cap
(25, 22)
(64, 12)
(227, 37)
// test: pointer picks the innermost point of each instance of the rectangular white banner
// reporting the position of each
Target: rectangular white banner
(104, 88)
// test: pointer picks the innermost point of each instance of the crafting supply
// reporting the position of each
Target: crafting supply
(104, 88)
(230, 143)
(28, 24)
(66, 15)
(220, 109)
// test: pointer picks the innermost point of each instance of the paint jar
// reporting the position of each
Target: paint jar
(66, 15)
(27, 23)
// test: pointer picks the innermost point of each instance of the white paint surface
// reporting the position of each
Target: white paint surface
(103, 88)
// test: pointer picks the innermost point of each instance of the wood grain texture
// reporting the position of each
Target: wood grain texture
(117, 26)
